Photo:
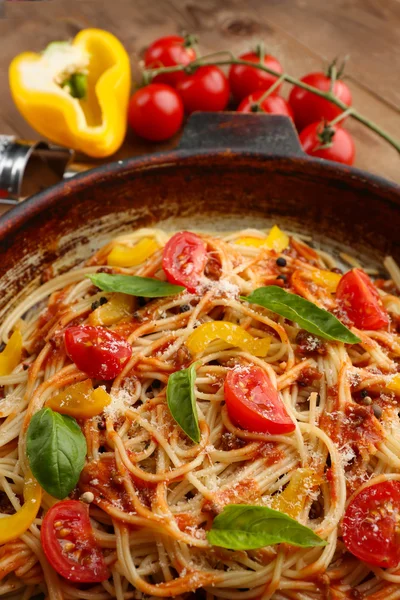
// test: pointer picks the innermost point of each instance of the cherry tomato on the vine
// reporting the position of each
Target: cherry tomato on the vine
(309, 107)
(245, 80)
(168, 51)
(360, 299)
(206, 89)
(155, 112)
(184, 259)
(274, 105)
(331, 142)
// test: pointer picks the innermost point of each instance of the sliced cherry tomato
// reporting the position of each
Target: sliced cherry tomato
(308, 107)
(206, 89)
(98, 352)
(184, 259)
(274, 105)
(253, 403)
(361, 301)
(167, 52)
(245, 80)
(341, 148)
(155, 112)
(371, 524)
(69, 544)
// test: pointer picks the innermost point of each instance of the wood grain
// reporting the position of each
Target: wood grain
(304, 34)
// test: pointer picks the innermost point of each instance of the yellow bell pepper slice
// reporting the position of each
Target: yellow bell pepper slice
(15, 525)
(229, 333)
(292, 500)
(80, 400)
(118, 307)
(76, 93)
(131, 256)
(277, 240)
(326, 279)
(11, 355)
(394, 384)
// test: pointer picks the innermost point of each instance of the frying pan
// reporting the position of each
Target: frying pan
(231, 171)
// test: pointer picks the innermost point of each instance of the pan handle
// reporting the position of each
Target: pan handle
(273, 135)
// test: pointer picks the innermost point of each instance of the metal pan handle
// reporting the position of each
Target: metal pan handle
(273, 135)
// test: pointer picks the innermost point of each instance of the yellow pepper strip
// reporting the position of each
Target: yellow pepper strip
(229, 333)
(80, 400)
(76, 93)
(15, 525)
(128, 256)
(11, 355)
(277, 240)
(117, 307)
(292, 500)
(394, 384)
(326, 279)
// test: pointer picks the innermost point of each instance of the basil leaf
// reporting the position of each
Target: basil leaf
(246, 527)
(135, 286)
(56, 449)
(181, 401)
(311, 318)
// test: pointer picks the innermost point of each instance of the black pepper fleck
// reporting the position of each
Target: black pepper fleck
(281, 262)
(364, 393)
(184, 308)
(283, 277)
(103, 300)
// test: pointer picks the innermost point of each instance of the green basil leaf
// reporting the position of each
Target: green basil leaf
(181, 401)
(311, 318)
(56, 449)
(246, 527)
(135, 286)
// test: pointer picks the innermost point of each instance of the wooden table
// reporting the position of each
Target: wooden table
(304, 34)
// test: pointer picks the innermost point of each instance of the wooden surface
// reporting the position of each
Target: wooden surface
(303, 34)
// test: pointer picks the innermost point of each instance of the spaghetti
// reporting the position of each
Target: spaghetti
(153, 492)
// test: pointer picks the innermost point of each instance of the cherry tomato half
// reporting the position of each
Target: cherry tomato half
(184, 259)
(245, 80)
(167, 52)
(361, 301)
(342, 147)
(155, 112)
(98, 352)
(207, 89)
(69, 544)
(274, 105)
(371, 524)
(253, 403)
(308, 107)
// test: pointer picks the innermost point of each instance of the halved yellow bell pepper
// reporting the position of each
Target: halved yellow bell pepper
(229, 333)
(80, 400)
(11, 355)
(394, 384)
(131, 256)
(277, 240)
(117, 307)
(292, 500)
(76, 93)
(15, 525)
(326, 279)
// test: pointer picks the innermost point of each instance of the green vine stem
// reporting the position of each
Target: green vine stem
(207, 60)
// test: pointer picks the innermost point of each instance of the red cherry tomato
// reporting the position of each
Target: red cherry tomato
(253, 403)
(155, 112)
(274, 105)
(69, 544)
(206, 89)
(342, 147)
(371, 524)
(308, 107)
(98, 352)
(361, 301)
(245, 80)
(184, 259)
(167, 52)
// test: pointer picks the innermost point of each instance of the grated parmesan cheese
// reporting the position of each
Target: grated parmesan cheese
(120, 402)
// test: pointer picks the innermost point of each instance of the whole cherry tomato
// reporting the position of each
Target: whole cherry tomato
(309, 108)
(360, 299)
(274, 105)
(155, 112)
(184, 259)
(167, 52)
(244, 80)
(331, 142)
(206, 89)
